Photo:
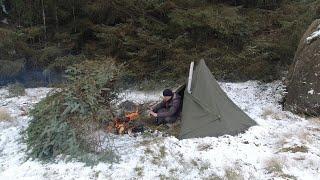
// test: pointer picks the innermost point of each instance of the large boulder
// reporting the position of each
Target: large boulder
(303, 83)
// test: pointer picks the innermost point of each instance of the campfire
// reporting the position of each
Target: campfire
(126, 124)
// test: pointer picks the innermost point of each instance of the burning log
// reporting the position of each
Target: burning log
(132, 115)
(126, 124)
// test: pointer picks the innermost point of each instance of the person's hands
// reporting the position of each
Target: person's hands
(153, 114)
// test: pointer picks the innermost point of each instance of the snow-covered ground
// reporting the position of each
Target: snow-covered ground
(282, 146)
(140, 96)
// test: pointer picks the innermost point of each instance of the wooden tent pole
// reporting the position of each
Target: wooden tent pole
(190, 77)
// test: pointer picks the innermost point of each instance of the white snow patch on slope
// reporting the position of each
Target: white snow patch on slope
(311, 92)
(4, 9)
(266, 151)
(314, 35)
(140, 96)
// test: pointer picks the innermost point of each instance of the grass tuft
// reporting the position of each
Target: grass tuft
(4, 115)
(295, 149)
(139, 171)
(233, 174)
(275, 167)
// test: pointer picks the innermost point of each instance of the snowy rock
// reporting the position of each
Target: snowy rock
(303, 81)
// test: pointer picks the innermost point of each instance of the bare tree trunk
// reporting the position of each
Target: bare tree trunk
(44, 20)
(19, 20)
(57, 20)
(74, 18)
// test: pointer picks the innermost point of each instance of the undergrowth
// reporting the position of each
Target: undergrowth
(239, 39)
(16, 89)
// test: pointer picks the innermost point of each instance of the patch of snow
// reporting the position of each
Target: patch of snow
(311, 91)
(247, 155)
(5, 21)
(139, 96)
(4, 9)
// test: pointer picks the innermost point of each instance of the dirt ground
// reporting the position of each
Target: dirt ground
(168, 129)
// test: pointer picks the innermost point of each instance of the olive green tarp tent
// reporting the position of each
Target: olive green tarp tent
(207, 110)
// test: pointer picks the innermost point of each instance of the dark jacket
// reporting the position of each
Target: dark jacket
(173, 107)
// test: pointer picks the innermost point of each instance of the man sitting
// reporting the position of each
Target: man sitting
(168, 110)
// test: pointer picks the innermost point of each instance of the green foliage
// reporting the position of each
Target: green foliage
(10, 68)
(48, 56)
(157, 39)
(263, 4)
(213, 22)
(8, 39)
(48, 134)
(33, 34)
(61, 63)
(66, 122)
(22, 12)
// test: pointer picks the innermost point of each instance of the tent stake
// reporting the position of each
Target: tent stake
(190, 77)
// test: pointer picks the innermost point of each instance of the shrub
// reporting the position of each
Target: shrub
(48, 55)
(274, 166)
(10, 68)
(263, 4)
(8, 40)
(4, 115)
(16, 89)
(233, 174)
(67, 122)
(61, 63)
(33, 34)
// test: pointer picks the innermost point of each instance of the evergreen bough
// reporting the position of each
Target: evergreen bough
(65, 123)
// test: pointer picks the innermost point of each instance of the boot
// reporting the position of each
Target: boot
(158, 121)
